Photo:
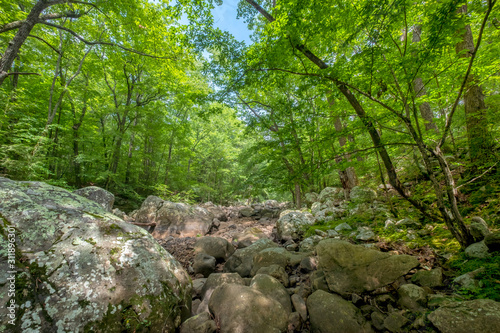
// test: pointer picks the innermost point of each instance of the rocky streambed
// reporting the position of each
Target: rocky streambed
(82, 267)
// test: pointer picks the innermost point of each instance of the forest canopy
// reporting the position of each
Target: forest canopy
(149, 97)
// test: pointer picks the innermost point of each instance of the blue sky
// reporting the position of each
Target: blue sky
(225, 19)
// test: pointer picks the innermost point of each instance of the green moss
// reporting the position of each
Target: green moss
(114, 251)
(91, 241)
(489, 278)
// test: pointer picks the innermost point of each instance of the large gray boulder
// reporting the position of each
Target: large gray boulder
(243, 309)
(174, 219)
(217, 247)
(104, 198)
(84, 269)
(477, 316)
(271, 256)
(360, 194)
(291, 225)
(331, 313)
(333, 194)
(241, 261)
(355, 269)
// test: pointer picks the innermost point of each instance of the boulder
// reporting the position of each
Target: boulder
(477, 250)
(216, 211)
(342, 227)
(276, 272)
(360, 194)
(431, 279)
(309, 244)
(334, 194)
(394, 322)
(241, 261)
(204, 264)
(469, 280)
(217, 247)
(174, 219)
(180, 219)
(243, 309)
(478, 228)
(365, 234)
(355, 269)
(270, 256)
(412, 297)
(331, 313)
(480, 315)
(272, 288)
(104, 198)
(218, 279)
(201, 323)
(85, 269)
(248, 237)
(311, 197)
(492, 241)
(246, 211)
(148, 210)
(291, 225)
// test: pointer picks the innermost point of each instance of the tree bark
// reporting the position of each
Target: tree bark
(478, 135)
(419, 88)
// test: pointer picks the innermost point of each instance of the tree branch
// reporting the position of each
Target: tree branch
(80, 38)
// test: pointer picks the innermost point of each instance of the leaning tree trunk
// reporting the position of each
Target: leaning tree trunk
(15, 44)
(347, 176)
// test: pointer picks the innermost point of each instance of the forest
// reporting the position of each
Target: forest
(150, 97)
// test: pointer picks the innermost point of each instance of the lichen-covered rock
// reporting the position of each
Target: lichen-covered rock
(292, 225)
(272, 288)
(104, 198)
(477, 316)
(217, 247)
(331, 313)
(333, 194)
(84, 269)
(174, 219)
(241, 261)
(355, 269)
(216, 211)
(244, 309)
(149, 208)
(360, 194)
(311, 197)
(365, 234)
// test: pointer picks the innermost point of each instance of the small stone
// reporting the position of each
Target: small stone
(294, 322)
(395, 321)
(300, 306)
(343, 226)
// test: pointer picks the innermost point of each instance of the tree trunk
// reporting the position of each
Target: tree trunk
(479, 138)
(298, 199)
(22, 33)
(419, 88)
(347, 176)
